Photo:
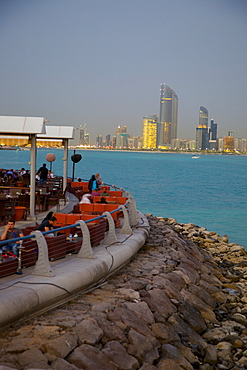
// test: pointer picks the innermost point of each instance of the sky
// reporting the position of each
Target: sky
(101, 62)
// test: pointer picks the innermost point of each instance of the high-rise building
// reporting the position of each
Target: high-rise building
(99, 141)
(229, 143)
(203, 117)
(133, 142)
(199, 138)
(150, 131)
(240, 145)
(220, 144)
(118, 130)
(114, 141)
(202, 133)
(84, 136)
(124, 129)
(167, 127)
(213, 130)
(122, 141)
(243, 145)
(231, 133)
(108, 140)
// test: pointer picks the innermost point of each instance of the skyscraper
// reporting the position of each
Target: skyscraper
(167, 126)
(150, 132)
(203, 117)
(213, 130)
(99, 141)
(122, 141)
(202, 134)
(108, 140)
(212, 136)
(83, 135)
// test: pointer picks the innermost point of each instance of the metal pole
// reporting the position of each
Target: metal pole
(65, 163)
(73, 169)
(32, 176)
(19, 269)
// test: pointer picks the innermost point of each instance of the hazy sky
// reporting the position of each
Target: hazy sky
(101, 62)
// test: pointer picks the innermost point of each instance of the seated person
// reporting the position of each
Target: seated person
(11, 232)
(95, 193)
(50, 175)
(102, 200)
(47, 225)
(104, 193)
(48, 216)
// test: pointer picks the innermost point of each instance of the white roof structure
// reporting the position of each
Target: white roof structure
(57, 132)
(22, 125)
(35, 127)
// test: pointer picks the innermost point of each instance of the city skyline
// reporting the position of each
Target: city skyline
(161, 132)
(99, 63)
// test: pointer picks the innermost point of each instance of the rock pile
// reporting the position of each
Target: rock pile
(180, 304)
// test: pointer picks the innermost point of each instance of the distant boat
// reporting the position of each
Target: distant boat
(195, 156)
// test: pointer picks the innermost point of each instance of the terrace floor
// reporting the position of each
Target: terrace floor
(65, 207)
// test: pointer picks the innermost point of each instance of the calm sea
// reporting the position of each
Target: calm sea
(210, 191)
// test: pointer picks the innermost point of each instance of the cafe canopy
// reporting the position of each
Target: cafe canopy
(36, 127)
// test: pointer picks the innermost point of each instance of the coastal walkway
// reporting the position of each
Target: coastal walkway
(51, 282)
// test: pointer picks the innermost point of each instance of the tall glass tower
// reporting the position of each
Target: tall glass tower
(203, 117)
(167, 128)
(213, 130)
(202, 134)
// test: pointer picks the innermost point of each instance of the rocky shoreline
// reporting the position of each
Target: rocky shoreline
(180, 304)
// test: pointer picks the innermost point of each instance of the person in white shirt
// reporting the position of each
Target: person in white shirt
(86, 198)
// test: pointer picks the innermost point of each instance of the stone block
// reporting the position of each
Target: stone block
(158, 301)
(88, 331)
(60, 347)
(33, 358)
(170, 351)
(145, 348)
(88, 357)
(117, 353)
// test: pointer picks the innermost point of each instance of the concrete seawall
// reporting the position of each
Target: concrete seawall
(180, 304)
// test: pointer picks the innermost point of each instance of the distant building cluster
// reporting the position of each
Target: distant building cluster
(160, 132)
(121, 140)
(207, 139)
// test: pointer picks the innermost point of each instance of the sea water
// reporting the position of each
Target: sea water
(209, 191)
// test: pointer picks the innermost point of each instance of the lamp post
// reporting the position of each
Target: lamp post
(75, 159)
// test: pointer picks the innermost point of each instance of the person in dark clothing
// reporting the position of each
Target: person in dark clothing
(42, 173)
(47, 225)
(11, 232)
(92, 184)
(48, 216)
(102, 200)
